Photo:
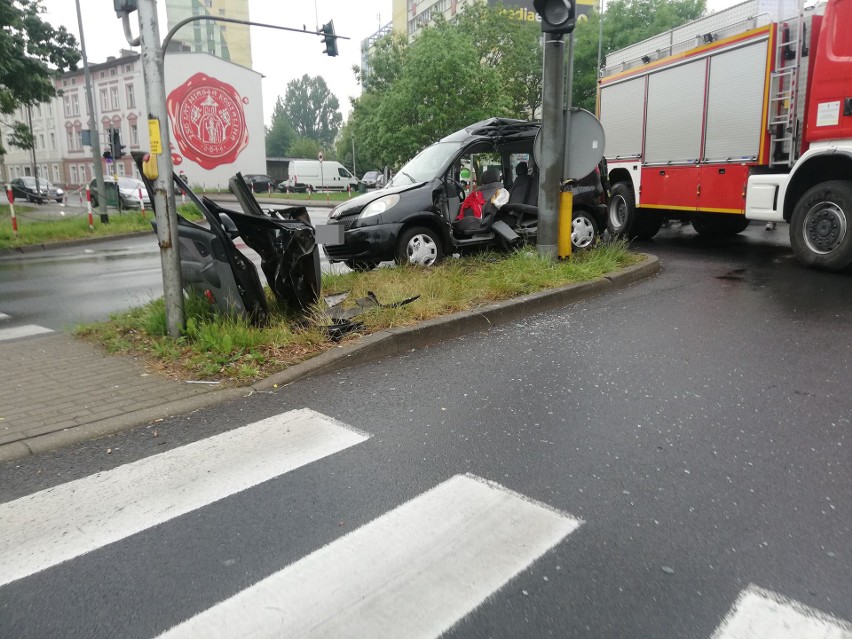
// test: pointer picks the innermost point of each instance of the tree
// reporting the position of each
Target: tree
(304, 148)
(280, 134)
(512, 47)
(31, 53)
(313, 110)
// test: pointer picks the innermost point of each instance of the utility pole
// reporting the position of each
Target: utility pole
(557, 20)
(32, 148)
(164, 186)
(94, 130)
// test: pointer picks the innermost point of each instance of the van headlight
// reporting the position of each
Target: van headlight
(380, 206)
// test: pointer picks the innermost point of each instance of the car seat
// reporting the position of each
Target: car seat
(467, 222)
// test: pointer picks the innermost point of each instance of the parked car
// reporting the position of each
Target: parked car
(373, 179)
(25, 188)
(419, 216)
(260, 183)
(313, 175)
(123, 194)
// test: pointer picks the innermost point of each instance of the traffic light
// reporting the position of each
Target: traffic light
(557, 16)
(329, 39)
(115, 142)
(125, 7)
(107, 155)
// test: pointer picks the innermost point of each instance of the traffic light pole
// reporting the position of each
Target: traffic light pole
(164, 186)
(94, 130)
(552, 150)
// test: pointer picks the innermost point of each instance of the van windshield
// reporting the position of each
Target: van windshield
(427, 164)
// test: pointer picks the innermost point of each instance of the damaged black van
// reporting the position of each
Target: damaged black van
(424, 213)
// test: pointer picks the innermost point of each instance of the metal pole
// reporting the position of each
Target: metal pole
(32, 150)
(600, 40)
(354, 172)
(164, 187)
(552, 134)
(94, 130)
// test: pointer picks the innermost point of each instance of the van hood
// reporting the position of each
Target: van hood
(357, 204)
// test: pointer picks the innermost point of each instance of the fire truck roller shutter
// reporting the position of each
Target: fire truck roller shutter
(675, 110)
(735, 103)
(622, 107)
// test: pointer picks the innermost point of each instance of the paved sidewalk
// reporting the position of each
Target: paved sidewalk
(56, 390)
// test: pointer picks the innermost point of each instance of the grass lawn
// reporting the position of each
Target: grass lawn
(220, 348)
(75, 226)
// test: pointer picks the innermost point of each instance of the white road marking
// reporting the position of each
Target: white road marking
(22, 331)
(58, 524)
(3, 316)
(759, 614)
(413, 572)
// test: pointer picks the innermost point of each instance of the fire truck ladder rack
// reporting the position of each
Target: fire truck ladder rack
(782, 123)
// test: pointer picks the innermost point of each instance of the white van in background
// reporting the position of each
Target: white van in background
(318, 176)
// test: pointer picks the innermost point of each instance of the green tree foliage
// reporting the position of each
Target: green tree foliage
(280, 133)
(625, 22)
(512, 47)
(313, 111)
(306, 148)
(31, 52)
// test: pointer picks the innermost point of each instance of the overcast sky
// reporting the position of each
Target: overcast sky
(280, 56)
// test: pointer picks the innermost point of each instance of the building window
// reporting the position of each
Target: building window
(66, 101)
(130, 92)
(78, 140)
(104, 100)
(69, 139)
(134, 135)
(83, 173)
(50, 109)
(112, 71)
(56, 173)
(52, 141)
(113, 97)
(75, 104)
(120, 166)
(41, 140)
(74, 175)
(102, 74)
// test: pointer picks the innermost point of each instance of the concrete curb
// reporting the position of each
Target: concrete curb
(367, 349)
(41, 248)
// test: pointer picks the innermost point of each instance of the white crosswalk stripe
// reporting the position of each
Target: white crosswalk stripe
(3, 316)
(58, 524)
(413, 572)
(25, 330)
(760, 613)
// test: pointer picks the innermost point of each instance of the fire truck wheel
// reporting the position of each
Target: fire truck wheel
(819, 229)
(621, 212)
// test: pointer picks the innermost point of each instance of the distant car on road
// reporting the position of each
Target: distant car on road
(373, 179)
(25, 188)
(260, 183)
(123, 194)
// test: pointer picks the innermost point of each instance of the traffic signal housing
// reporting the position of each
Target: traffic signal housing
(557, 16)
(115, 142)
(329, 39)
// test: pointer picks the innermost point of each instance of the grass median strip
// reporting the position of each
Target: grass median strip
(231, 349)
(75, 225)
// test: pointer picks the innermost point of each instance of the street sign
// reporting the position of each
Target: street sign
(154, 136)
(586, 146)
(319, 156)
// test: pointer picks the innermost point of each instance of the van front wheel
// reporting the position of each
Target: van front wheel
(420, 246)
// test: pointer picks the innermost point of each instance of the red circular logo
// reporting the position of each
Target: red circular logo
(208, 121)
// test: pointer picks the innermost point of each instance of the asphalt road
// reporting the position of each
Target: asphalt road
(59, 288)
(691, 436)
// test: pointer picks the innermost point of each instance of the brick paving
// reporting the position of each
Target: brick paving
(54, 383)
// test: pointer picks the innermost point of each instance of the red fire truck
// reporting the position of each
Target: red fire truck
(745, 114)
